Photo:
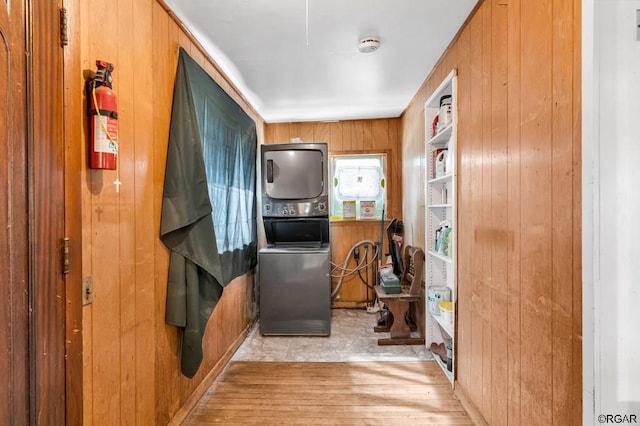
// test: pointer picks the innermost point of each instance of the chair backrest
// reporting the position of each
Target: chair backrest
(395, 227)
(413, 269)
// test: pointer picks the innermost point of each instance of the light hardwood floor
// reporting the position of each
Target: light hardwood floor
(330, 393)
(342, 379)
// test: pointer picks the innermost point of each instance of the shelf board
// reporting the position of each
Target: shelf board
(446, 326)
(440, 206)
(440, 179)
(443, 366)
(440, 256)
(442, 137)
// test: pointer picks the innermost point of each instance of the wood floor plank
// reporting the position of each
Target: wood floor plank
(250, 420)
(378, 407)
(410, 403)
(330, 393)
(406, 391)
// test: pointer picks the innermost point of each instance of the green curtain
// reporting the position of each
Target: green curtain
(208, 207)
(229, 143)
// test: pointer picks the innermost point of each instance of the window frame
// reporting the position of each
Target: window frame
(385, 155)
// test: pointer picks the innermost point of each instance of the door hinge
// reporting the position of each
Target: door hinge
(66, 263)
(64, 37)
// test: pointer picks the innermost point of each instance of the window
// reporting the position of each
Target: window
(358, 190)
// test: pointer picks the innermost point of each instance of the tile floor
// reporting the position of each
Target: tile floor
(352, 339)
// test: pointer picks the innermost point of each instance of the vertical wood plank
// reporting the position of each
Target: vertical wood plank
(269, 133)
(294, 130)
(43, 153)
(348, 133)
(577, 332)
(336, 137)
(74, 166)
(379, 134)
(413, 176)
(394, 169)
(500, 241)
(305, 132)
(367, 134)
(474, 214)
(536, 218)
(449, 61)
(321, 132)
(14, 205)
(486, 214)
(165, 58)
(105, 218)
(185, 41)
(87, 239)
(198, 56)
(514, 331)
(342, 242)
(357, 135)
(562, 224)
(281, 132)
(465, 231)
(124, 65)
(145, 212)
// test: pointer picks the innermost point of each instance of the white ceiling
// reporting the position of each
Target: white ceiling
(298, 60)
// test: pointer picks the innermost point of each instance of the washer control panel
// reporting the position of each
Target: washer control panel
(279, 208)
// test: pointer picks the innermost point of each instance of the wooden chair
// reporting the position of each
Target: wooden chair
(411, 284)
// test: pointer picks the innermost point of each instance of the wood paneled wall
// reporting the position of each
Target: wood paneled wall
(519, 224)
(131, 358)
(353, 137)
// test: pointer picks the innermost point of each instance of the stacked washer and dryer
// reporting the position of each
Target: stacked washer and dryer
(295, 266)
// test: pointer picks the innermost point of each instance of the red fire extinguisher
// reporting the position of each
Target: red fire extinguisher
(103, 119)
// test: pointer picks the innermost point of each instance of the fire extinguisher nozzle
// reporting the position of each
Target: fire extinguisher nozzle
(104, 65)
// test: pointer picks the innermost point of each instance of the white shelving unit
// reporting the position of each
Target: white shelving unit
(440, 197)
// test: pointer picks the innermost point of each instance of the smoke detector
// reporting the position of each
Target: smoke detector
(368, 44)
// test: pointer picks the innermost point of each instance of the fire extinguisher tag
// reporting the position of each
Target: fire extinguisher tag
(104, 143)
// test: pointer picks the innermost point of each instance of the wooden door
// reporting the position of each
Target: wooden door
(45, 172)
(33, 302)
(14, 331)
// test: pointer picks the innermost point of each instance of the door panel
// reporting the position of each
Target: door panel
(46, 181)
(14, 335)
(32, 298)
(14, 332)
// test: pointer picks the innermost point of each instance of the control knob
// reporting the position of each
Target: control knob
(322, 207)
